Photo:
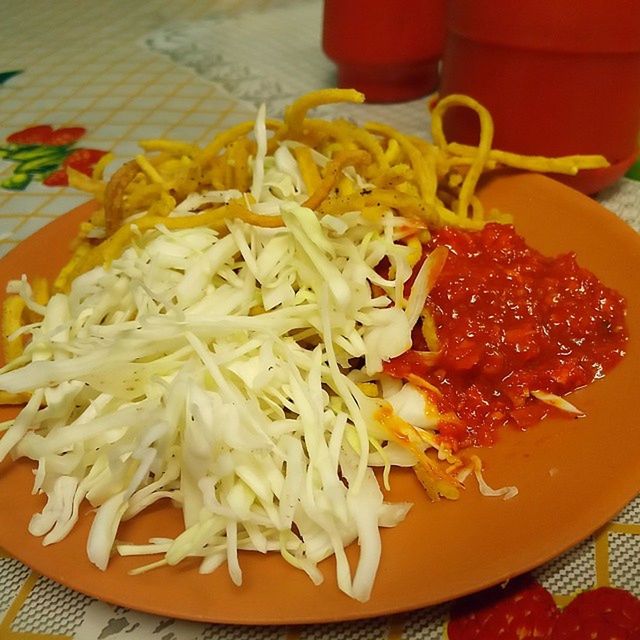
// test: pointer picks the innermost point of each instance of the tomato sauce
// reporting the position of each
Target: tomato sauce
(510, 321)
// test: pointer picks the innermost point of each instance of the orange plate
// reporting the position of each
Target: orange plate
(573, 475)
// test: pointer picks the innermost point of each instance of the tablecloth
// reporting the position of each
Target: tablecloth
(117, 72)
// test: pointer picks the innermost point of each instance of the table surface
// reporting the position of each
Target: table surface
(185, 70)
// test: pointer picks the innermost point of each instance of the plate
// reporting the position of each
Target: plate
(572, 475)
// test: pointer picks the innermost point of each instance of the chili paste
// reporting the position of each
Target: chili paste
(510, 321)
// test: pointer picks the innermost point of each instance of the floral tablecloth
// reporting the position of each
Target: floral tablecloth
(78, 80)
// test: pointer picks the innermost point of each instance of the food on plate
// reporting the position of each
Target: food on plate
(514, 331)
(224, 337)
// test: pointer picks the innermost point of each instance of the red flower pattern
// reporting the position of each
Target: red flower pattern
(524, 610)
(44, 153)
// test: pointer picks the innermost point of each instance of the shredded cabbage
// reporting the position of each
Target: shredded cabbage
(212, 370)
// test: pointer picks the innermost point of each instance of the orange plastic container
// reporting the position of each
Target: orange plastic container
(559, 78)
(387, 49)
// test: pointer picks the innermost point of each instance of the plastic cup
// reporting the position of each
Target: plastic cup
(387, 49)
(559, 78)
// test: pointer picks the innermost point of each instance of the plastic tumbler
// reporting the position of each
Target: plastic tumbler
(388, 49)
(558, 77)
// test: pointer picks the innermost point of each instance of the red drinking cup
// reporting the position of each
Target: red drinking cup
(388, 49)
(558, 77)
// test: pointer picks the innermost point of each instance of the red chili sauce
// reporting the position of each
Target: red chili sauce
(510, 321)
